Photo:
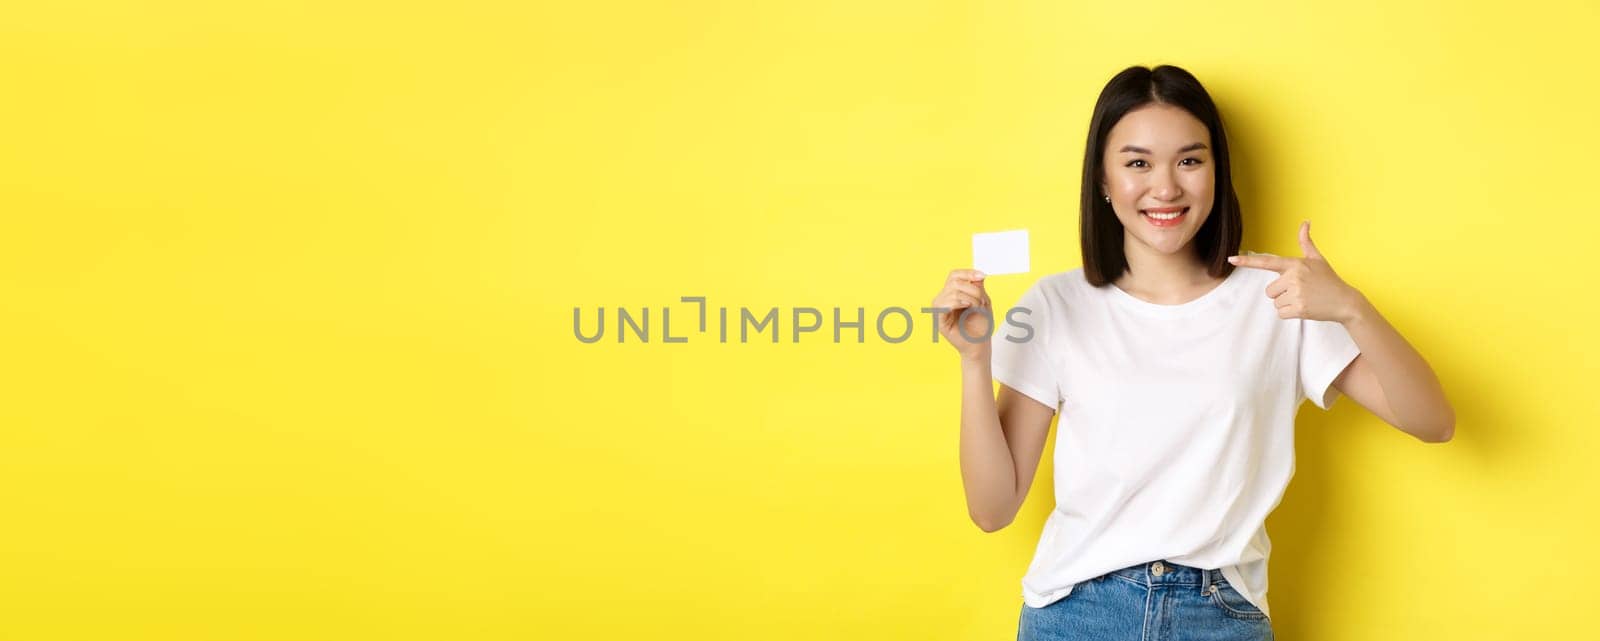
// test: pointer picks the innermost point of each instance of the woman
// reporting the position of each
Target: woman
(1177, 376)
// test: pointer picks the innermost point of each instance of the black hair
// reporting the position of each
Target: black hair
(1100, 232)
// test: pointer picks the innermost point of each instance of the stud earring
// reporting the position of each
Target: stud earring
(1108, 198)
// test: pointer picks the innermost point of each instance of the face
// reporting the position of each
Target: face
(1158, 160)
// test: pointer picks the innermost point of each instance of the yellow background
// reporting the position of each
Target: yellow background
(286, 295)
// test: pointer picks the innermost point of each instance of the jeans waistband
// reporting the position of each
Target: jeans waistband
(1169, 573)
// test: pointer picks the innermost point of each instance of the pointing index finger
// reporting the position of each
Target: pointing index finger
(1262, 261)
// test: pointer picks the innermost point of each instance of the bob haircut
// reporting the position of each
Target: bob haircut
(1100, 233)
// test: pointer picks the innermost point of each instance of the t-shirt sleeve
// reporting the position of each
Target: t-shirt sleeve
(1025, 366)
(1325, 350)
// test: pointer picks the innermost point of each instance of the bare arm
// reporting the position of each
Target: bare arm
(1392, 380)
(1001, 442)
(1000, 438)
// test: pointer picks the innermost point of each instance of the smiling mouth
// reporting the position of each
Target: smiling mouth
(1164, 219)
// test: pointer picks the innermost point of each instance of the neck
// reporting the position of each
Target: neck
(1163, 278)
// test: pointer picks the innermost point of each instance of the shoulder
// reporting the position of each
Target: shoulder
(1059, 287)
(1255, 278)
(1055, 291)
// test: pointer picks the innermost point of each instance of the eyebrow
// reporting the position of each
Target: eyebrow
(1141, 150)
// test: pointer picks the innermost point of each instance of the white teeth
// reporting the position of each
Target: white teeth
(1164, 216)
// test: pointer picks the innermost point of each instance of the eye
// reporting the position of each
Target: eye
(1136, 160)
(1197, 161)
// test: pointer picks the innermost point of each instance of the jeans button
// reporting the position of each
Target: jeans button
(1158, 569)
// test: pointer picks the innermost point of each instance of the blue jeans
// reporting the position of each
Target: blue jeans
(1150, 601)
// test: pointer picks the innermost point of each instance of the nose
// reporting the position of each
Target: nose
(1165, 185)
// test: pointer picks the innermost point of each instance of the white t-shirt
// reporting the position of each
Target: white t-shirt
(1176, 430)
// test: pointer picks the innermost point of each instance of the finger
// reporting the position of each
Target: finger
(1277, 287)
(957, 301)
(966, 274)
(1275, 263)
(1306, 246)
(1283, 304)
(967, 288)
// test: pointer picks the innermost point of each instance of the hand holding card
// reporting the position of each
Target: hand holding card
(969, 317)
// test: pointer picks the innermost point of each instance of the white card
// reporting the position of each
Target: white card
(1001, 252)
